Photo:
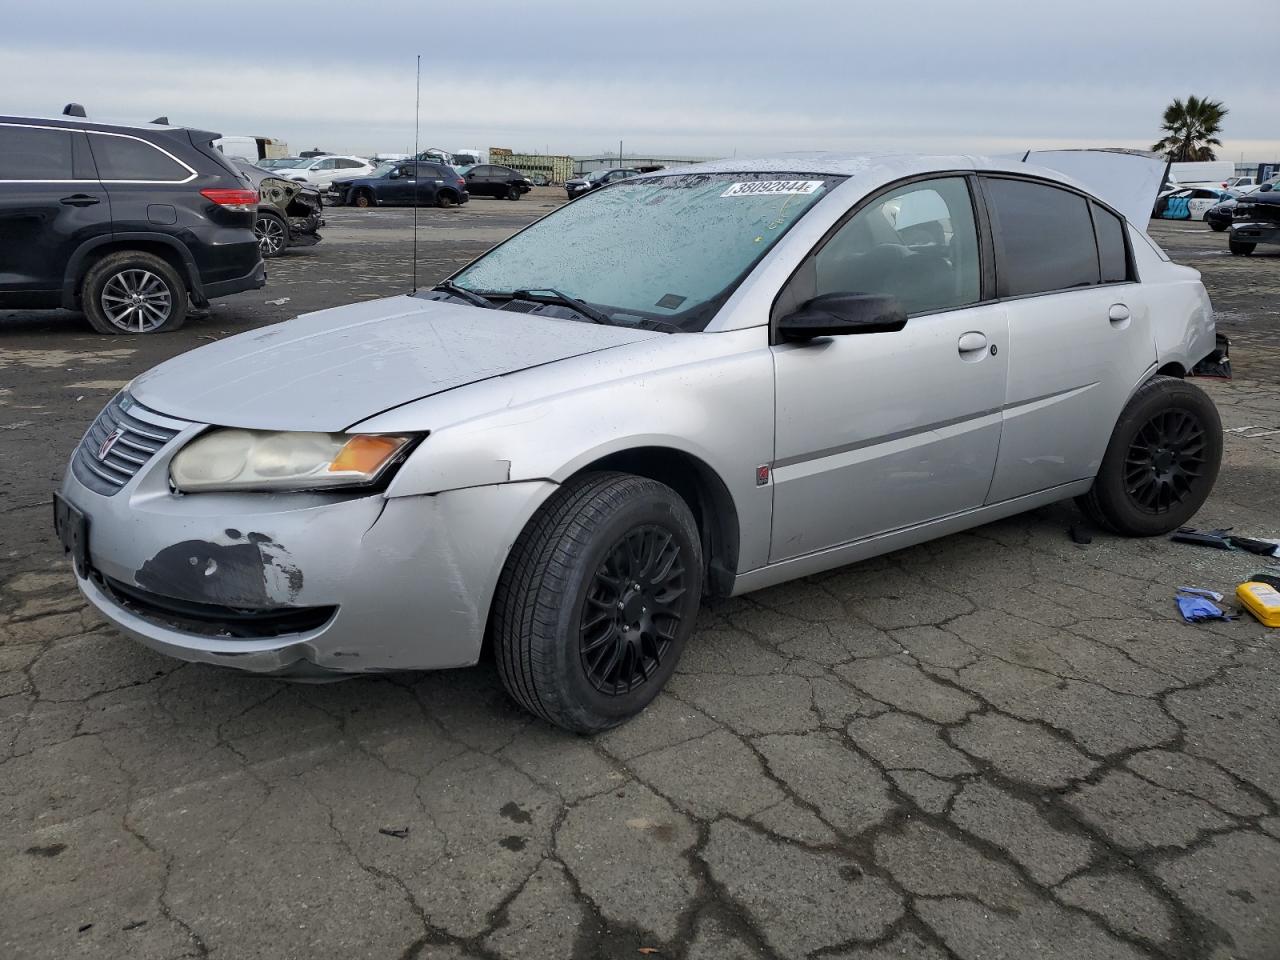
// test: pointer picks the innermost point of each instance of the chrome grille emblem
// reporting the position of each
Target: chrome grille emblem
(108, 442)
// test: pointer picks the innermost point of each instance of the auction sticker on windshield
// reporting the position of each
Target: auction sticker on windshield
(770, 187)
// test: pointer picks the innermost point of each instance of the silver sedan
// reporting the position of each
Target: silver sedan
(695, 383)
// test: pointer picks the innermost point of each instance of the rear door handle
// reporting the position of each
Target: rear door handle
(1118, 313)
(972, 344)
(79, 200)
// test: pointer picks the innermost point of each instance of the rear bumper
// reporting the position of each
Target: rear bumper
(1247, 232)
(253, 280)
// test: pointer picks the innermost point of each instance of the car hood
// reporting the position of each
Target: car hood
(328, 370)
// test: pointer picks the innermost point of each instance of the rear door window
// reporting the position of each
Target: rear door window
(1113, 256)
(31, 153)
(1044, 237)
(129, 159)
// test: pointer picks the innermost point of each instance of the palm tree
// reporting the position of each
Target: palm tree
(1191, 129)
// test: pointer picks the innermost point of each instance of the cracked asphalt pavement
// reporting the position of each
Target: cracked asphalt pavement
(1002, 744)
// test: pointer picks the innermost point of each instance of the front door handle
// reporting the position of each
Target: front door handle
(1118, 313)
(972, 344)
(79, 200)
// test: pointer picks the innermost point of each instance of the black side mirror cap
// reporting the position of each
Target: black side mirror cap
(838, 314)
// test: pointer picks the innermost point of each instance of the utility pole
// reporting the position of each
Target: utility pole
(619, 153)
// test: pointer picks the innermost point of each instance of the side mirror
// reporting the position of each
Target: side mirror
(836, 314)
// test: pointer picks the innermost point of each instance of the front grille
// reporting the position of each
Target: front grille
(139, 433)
(212, 620)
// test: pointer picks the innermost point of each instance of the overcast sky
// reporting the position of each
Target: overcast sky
(682, 77)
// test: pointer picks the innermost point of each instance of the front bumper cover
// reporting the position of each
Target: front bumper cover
(394, 583)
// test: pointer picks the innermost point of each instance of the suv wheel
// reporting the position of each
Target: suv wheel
(1240, 248)
(1161, 463)
(597, 600)
(445, 199)
(272, 234)
(513, 192)
(133, 292)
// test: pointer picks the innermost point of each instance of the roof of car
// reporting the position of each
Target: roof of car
(846, 164)
(79, 122)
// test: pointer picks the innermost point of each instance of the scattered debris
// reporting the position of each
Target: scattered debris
(134, 925)
(277, 303)
(648, 951)
(202, 337)
(1223, 539)
(1080, 534)
(83, 927)
(398, 832)
(1200, 592)
(1218, 363)
(1197, 609)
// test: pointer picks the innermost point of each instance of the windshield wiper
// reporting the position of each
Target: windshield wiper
(573, 303)
(448, 286)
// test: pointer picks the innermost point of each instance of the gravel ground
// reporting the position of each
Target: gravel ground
(1001, 744)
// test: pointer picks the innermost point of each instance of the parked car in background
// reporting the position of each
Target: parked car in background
(645, 398)
(1241, 183)
(1219, 216)
(128, 223)
(278, 163)
(492, 180)
(403, 183)
(597, 178)
(1256, 219)
(322, 171)
(289, 213)
(1186, 203)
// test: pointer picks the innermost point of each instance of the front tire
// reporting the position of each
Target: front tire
(513, 193)
(133, 292)
(597, 600)
(1239, 248)
(1161, 463)
(363, 199)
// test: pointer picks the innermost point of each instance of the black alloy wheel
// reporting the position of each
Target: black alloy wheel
(1161, 462)
(631, 615)
(1165, 460)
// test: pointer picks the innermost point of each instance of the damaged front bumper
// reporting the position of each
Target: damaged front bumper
(298, 584)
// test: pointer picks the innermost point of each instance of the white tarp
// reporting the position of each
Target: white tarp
(1127, 181)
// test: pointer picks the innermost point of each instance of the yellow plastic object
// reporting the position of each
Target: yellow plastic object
(1262, 600)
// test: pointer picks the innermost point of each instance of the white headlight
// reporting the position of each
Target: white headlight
(268, 460)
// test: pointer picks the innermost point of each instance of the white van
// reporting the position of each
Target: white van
(252, 149)
(1202, 173)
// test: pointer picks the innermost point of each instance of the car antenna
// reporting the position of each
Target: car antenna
(417, 102)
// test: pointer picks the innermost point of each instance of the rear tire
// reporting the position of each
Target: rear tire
(272, 233)
(1216, 227)
(1161, 463)
(576, 643)
(445, 200)
(132, 292)
(1240, 248)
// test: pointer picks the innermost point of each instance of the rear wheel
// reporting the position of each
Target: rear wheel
(1161, 463)
(272, 234)
(445, 199)
(363, 198)
(1217, 227)
(133, 292)
(597, 600)
(1240, 248)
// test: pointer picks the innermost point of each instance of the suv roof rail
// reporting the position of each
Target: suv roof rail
(73, 110)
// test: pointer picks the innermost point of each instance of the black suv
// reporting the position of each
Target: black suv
(491, 180)
(127, 223)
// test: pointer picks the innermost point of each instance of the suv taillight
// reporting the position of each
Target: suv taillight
(241, 201)
(461, 182)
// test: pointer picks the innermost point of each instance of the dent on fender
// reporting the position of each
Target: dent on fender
(251, 570)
